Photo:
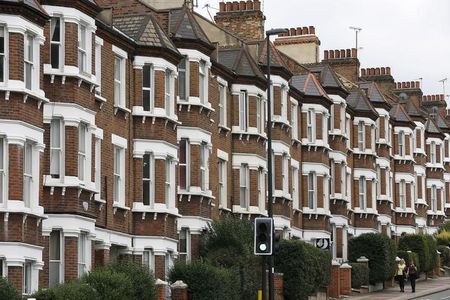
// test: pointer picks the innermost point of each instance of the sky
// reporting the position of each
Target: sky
(410, 36)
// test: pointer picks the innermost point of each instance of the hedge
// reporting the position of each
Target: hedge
(305, 268)
(443, 238)
(360, 275)
(445, 255)
(74, 290)
(380, 251)
(8, 290)
(444, 227)
(141, 278)
(409, 257)
(424, 245)
(206, 282)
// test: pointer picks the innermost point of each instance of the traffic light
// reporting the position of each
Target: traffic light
(263, 236)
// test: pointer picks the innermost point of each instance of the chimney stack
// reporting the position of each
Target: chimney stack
(300, 43)
(381, 75)
(344, 62)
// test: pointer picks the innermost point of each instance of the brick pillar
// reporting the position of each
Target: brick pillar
(345, 274)
(278, 285)
(15, 172)
(160, 269)
(335, 282)
(101, 256)
(70, 258)
(437, 266)
(179, 290)
(15, 276)
(161, 287)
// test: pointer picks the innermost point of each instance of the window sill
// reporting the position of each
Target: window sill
(69, 182)
(282, 195)
(438, 213)
(367, 211)
(356, 151)
(224, 208)
(315, 144)
(251, 210)
(403, 158)
(434, 166)
(296, 141)
(405, 211)
(384, 198)
(223, 128)
(158, 208)
(100, 98)
(421, 202)
(19, 87)
(316, 212)
(119, 206)
(18, 207)
(121, 108)
(196, 192)
(195, 101)
(70, 71)
(139, 111)
(251, 131)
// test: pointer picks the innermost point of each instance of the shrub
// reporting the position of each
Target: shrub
(409, 257)
(8, 290)
(444, 227)
(432, 247)
(443, 238)
(142, 280)
(380, 251)
(206, 282)
(360, 275)
(305, 268)
(109, 285)
(75, 290)
(445, 255)
(419, 244)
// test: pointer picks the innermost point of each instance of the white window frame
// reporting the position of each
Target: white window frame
(332, 114)
(57, 149)
(83, 48)
(433, 198)
(185, 253)
(259, 115)
(244, 188)
(284, 98)
(285, 173)
(119, 81)
(148, 259)
(362, 193)
(3, 160)
(168, 92)
(402, 194)
(312, 190)
(4, 54)
(168, 180)
(294, 120)
(342, 118)
(333, 177)
(343, 179)
(295, 190)
(83, 151)
(243, 111)
(119, 175)
(361, 136)
(222, 170)
(203, 82)
(59, 262)
(98, 167)
(168, 264)
(28, 173)
(261, 189)
(204, 166)
(150, 179)
(222, 105)
(29, 61)
(433, 152)
(98, 65)
(310, 123)
(27, 276)
(401, 143)
(185, 164)
(183, 76)
(83, 255)
(59, 45)
(325, 128)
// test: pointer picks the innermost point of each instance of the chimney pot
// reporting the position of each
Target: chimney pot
(399, 85)
(413, 85)
(256, 5)
(403, 85)
(331, 54)
(242, 5)
(249, 5)
(235, 6)
(388, 70)
(337, 54)
(354, 53)
(229, 6)
(383, 71)
(433, 97)
(299, 31)
(377, 71)
(442, 97)
(408, 85)
(418, 84)
(342, 53)
(363, 72)
(222, 6)
(292, 32)
(348, 54)
(312, 30)
(325, 55)
(305, 30)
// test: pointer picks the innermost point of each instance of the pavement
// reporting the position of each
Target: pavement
(423, 289)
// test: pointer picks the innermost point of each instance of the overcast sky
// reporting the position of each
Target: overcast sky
(410, 36)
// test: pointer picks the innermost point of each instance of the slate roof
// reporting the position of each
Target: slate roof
(441, 122)
(240, 62)
(183, 25)
(34, 4)
(373, 92)
(144, 30)
(308, 84)
(431, 127)
(413, 110)
(399, 114)
(327, 76)
(358, 101)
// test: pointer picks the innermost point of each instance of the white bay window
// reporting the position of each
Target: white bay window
(244, 180)
(82, 48)
(2, 170)
(119, 176)
(204, 166)
(243, 111)
(312, 190)
(147, 87)
(362, 193)
(56, 42)
(55, 258)
(222, 105)
(223, 183)
(56, 148)
(28, 174)
(184, 163)
(29, 61)
(148, 182)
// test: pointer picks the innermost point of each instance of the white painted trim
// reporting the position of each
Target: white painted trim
(279, 81)
(119, 141)
(159, 244)
(318, 168)
(250, 89)
(17, 132)
(280, 147)
(295, 164)
(369, 174)
(70, 15)
(222, 81)
(222, 155)
(367, 121)
(71, 113)
(18, 24)
(195, 224)
(316, 107)
(71, 225)
(159, 64)
(119, 52)
(406, 130)
(109, 237)
(337, 99)
(440, 184)
(195, 135)
(311, 235)
(281, 222)
(253, 161)
(195, 56)
(160, 149)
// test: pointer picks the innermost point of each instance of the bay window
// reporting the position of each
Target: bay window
(98, 65)
(183, 164)
(325, 128)
(284, 92)
(148, 185)
(361, 136)
(168, 180)
(433, 199)
(82, 254)
(2, 169)
(401, 143)
(27, 277)
(82, 48)
(55, 42)
(362, 193)
(244, 186)
(312, 182)
(184, 245)
(261, 189)
(56, 153)
(294, 188)
(333, 176)
(402, 193)
(27, 173)
(29, 61)
(55, 258)
(285, 172)
(294, 121)
(259, 115)
(243, 111)
(98, 166)
(148, 259)
(433, 152)
(182, 79)
(202, 79)
(147, 88)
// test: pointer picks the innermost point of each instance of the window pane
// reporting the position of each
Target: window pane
(146, 76)
(2, 39)
(2, 68)
(55, 55)
(1, 153)
(28, 75)
(146, 192)
(146, 170)
(55, 245)
(182, 85)
(55, 29)
(30, 48)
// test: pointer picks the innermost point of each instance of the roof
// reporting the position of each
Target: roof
(399, 114)
(373, 92)
(183, 25)
(34, 4)
(240, 62)
(259, 49)
(327, 77)
(431, 127)
(441, 122)
(144, 30)
(412, 109)
(358, 101)
(308, 84)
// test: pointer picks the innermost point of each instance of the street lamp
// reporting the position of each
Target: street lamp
(269, 163)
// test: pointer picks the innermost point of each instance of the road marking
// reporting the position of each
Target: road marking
(446, 297)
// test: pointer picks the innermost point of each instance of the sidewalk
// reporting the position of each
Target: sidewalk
(423, 288)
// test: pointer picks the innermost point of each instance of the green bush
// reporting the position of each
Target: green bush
(75, 290)
(380, 251)
(142, 280)
(445, 255)
(409, 257)
(444, 227)
(419, 244)
(207, 282)
(109, 285)
(432, 247)
(8, 290)
(305, 268)
(360, 275)
(443, 238)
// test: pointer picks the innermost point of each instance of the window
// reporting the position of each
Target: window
(98, 65)
(285, 172)
(204, 166)
(244, 186)
(82, 254)
(56, 140)
(202, 81)
(2, 54)
(342, 119)
(294, 121)
(168, 182)
(401, 143)
(55, 258)
(312, 191)
(294, 190)
(259, 115)
(433, 152)
(402, 193)
(147, 180)
(261, 189)
(182, 79)
(168, 264)
(27, 276)
(55, 42)
(184, 245)
(310, 125)
(284, 90)
(2, 169)
(147, 88)
(243, 111)
(433, 199)
(333, 176)
(2, 268)
(223, 183)
(361, 133)
(82, 48)
(332, 114)
(222, 105)
(29, 61)
(28, 174)
(119, 180)
(119, 81)
(168, 92)
(98, 166)
(325, 128)
(82, 150)
(378, 181)
(343, 179)
(148, 259)
(362, 193)
(183, 164)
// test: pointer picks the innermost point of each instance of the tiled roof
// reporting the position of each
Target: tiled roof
(275, 58)
(358, 101)
(413, 110)
(441, 122)
(308, 84)
(34, 4)
(373, 92)
(144, 30)
(239, 61)
(431, 127)
(399, 114)
(328, 77)
(183, 25)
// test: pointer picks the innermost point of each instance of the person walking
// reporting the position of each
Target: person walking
(400, 274)
(412, 275)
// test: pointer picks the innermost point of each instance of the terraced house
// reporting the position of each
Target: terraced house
(127, 126)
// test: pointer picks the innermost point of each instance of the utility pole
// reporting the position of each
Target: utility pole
(357, 30)
(443, 85)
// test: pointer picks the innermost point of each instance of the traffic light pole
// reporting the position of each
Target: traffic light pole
(263, 278)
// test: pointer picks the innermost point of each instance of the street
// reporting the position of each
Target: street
(438, 296)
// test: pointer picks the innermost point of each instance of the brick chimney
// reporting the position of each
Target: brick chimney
(411, 90)
(344, 62)
(244, 19)
(382, 76)
(438, 101)
(301, 44)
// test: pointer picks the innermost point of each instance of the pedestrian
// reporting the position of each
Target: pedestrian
(400, 274)
(412, 275)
